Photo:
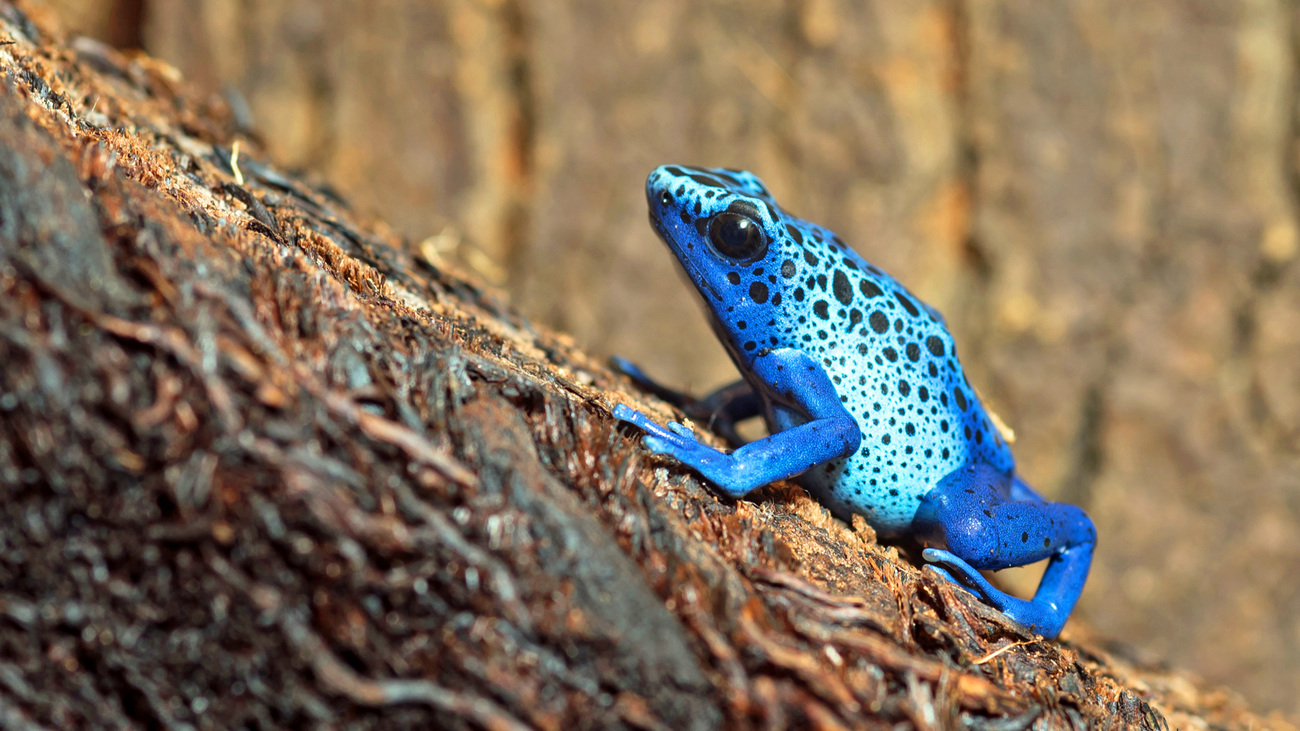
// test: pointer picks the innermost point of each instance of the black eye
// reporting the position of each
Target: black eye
(666, 198)
(737, 236)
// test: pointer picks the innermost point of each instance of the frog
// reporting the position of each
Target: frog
(865, 401)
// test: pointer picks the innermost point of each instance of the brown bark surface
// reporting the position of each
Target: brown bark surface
(1100, 196)
(263, 466)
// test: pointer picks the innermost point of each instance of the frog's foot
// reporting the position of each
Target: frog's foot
(678, 441)
(1046, 620)
(660, 439)
(986, 520)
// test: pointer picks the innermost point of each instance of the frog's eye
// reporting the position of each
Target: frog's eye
(665, 198)
(737, 236)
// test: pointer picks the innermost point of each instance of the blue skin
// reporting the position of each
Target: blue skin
(862, 392)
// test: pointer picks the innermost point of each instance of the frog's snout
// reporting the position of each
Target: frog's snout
(657, 193)
(659, 197)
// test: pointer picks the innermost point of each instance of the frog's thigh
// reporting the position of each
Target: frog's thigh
(975, 514)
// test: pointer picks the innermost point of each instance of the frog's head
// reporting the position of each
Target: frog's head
(754, 264)
(738, 247)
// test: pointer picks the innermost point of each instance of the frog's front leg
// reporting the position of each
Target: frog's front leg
(791, 376)
(988, 522)
(719, 411)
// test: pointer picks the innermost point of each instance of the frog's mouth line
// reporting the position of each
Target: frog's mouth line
(662, 232)
(656, 224)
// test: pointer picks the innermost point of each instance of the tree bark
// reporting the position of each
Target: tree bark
(1102, 200)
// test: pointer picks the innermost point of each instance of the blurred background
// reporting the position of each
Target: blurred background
(1101, 196)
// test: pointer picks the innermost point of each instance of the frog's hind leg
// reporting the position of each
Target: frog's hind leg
(987, 521)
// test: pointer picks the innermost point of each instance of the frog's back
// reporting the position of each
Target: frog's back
(895, 367)
(890, 356)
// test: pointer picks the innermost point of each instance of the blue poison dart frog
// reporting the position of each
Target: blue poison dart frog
(862, 392)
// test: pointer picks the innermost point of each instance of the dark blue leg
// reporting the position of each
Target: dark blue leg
(793, 378)
(648, 384)
(720, 411)
(974, 512)
(733, 402)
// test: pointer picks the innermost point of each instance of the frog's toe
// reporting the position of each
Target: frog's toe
(977, 591)
(655, 433)
(954, 569)
(681, 429)
(673, 433)
(622, 365)
(628, 368)
(1042, 617)
(674, 439)
(658, 445)
(628, 414)
(946, 575)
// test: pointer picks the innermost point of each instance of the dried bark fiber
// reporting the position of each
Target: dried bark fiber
(263, 468)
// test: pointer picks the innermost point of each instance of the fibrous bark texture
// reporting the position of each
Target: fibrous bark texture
(1100, 196)
(261, 466)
